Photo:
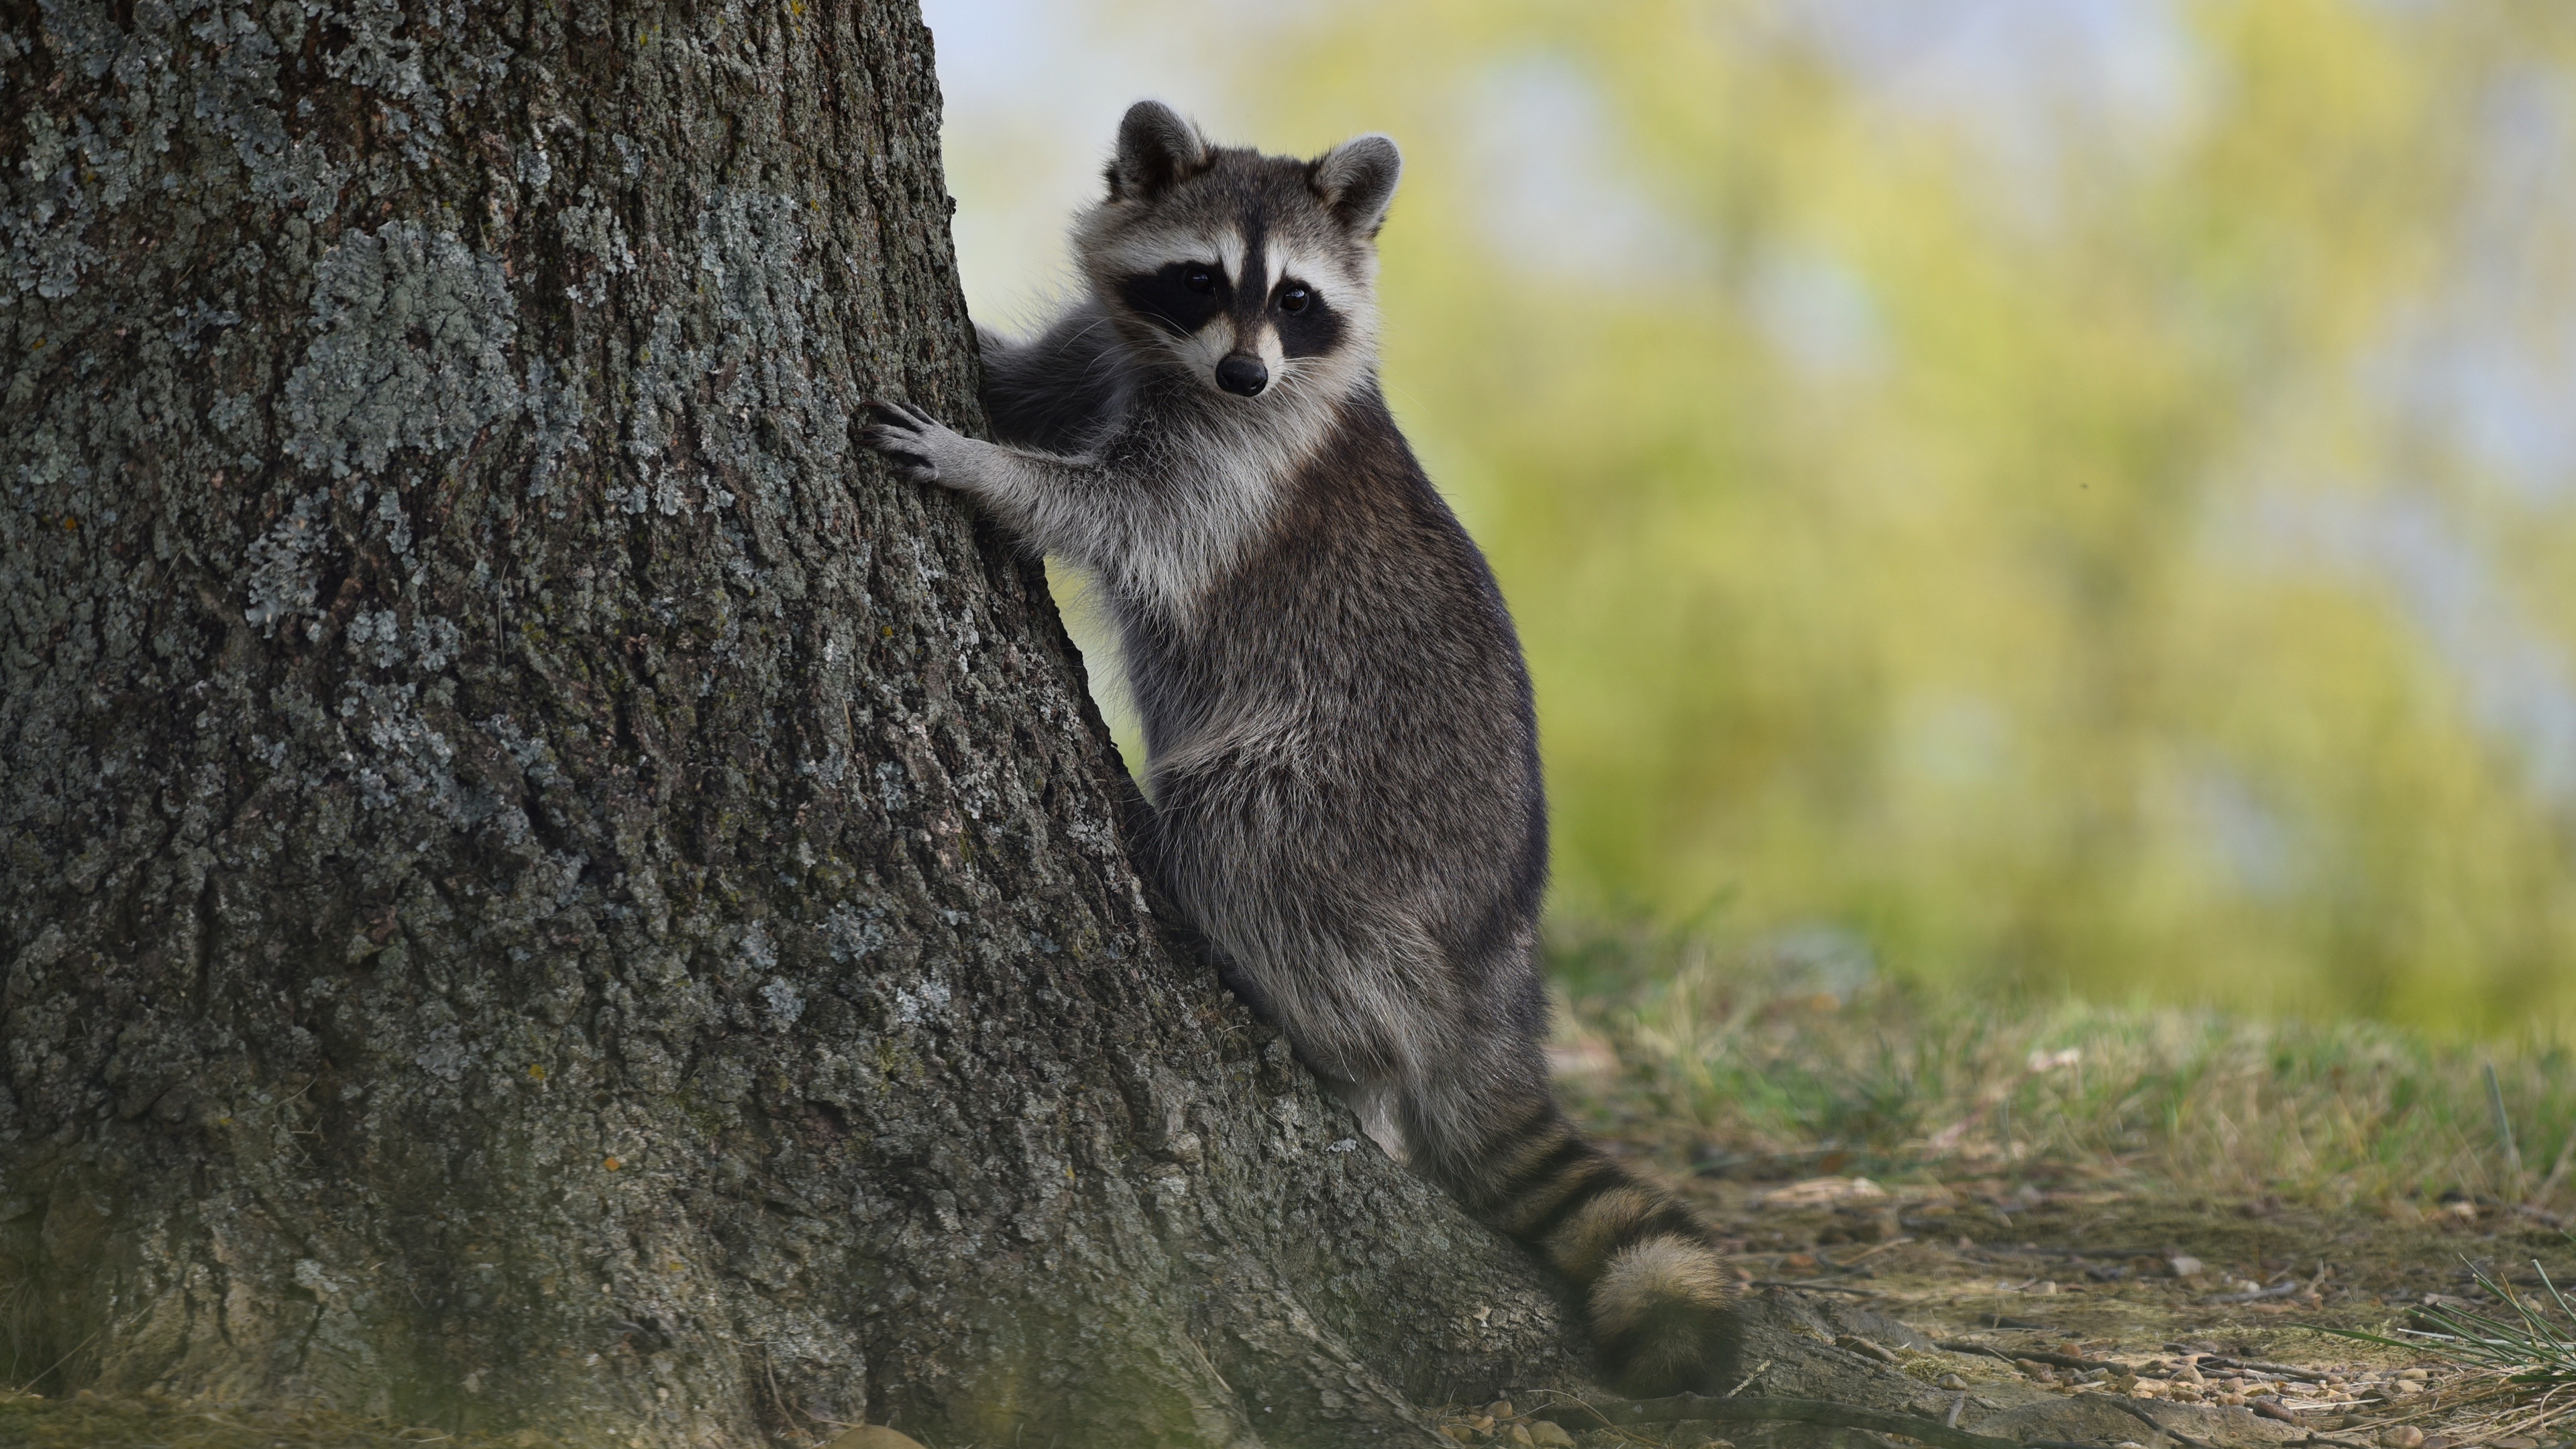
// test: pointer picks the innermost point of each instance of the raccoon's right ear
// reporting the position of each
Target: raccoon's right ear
(1358, 179)
(1156, 149)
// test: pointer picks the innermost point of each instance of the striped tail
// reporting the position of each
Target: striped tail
(1661, 1298)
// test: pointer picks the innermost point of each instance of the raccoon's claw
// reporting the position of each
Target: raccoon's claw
(908, 437)
(902, 415)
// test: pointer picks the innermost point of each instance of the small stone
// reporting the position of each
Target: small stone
(1500, 1409)
(2183, 1266)
(1545, 1433)
(2440, 1441)
(2272, 1409)
(2514, 1441)
(1953, 1381)
(1823, 1192)
(2404, 1436)
(1459, 1432)
(1519, 1434)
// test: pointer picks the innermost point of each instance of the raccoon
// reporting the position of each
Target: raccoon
(1343, 753)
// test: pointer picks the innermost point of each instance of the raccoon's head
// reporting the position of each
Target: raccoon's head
(1255, 274)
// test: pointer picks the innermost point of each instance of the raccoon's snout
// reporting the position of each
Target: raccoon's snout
(1243, 376)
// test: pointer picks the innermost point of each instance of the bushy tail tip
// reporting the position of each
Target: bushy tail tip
(1664, 1318)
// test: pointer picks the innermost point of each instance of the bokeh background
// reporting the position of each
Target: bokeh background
(2074, 494)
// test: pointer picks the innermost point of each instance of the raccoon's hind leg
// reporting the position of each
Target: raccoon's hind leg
(1660, 1297)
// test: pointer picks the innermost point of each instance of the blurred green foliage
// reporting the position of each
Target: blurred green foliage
(2032, 558)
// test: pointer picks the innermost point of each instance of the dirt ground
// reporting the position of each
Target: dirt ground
(2108, 1317)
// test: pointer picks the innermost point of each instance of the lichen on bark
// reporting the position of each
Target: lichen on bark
(540, 887)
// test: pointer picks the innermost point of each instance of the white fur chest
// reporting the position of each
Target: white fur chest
(1211, 491)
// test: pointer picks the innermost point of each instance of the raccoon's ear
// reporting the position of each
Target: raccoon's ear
(1357, 179)
(1156, 148)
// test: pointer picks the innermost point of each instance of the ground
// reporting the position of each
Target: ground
(2046, 1204)
(2020, 1272)
(1957, 1283)
(2018, 1213)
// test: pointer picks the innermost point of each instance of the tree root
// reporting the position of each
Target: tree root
(1580, 1415)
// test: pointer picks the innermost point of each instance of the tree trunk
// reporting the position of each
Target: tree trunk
(542, 888)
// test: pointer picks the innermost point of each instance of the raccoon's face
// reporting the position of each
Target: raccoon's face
(1237, 315)
(1254, 274)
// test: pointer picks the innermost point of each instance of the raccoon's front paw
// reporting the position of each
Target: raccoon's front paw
(921, 447)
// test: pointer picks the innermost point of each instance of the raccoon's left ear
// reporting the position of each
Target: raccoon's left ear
(1156, 150)
(1357, 179)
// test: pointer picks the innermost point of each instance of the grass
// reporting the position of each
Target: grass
(1797, 1061)
(2530, 1347)
(2521, 1358)
(2520, 1378)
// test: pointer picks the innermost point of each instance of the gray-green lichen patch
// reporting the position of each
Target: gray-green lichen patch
(380, 638)
(414, 333)
(43, 227)
(769, 423)
(594, 231)
(282, 567)
(558, 405)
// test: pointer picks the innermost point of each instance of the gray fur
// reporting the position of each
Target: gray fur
(1343, 752)
(1358, 180)
(1156, 148)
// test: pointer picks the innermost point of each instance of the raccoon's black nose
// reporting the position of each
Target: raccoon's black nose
(1243, 376)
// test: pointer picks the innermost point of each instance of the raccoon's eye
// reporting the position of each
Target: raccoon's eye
(1293, 300)
(1199, 279)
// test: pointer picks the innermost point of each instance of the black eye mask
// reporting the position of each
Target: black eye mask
(1167, 298)
(1310, 330)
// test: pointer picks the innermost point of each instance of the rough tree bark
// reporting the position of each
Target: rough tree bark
(543, 889)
